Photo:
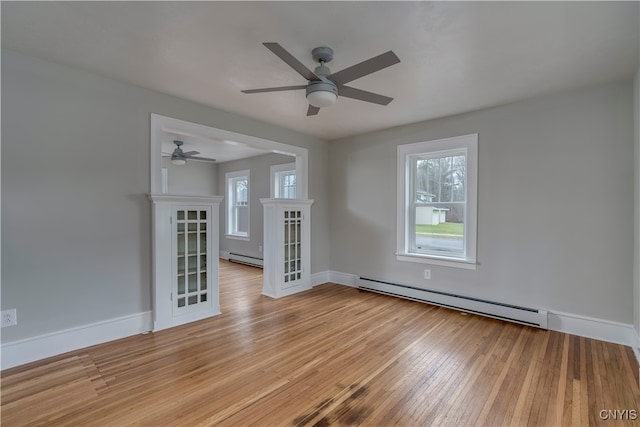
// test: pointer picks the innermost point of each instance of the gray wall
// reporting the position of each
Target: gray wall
(195, 178)
(636, 180)
(76, 232)
(259, 184)
(555, 203)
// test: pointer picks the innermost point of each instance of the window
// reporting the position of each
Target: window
(437, 197)
(283, 181)
(238, 204)
(287, 184)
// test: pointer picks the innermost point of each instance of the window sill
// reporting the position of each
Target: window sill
(444, 261)
(236, 237)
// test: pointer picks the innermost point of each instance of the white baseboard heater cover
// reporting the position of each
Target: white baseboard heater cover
(496, 310)
(246, 259)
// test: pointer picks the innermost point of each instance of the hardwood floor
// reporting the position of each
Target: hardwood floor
(330, 356)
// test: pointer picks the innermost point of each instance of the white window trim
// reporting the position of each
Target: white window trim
(275, 169)
(231, 198)
(470, 143)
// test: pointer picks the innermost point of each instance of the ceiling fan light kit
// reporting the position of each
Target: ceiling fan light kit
(323, 87)
(322, 93)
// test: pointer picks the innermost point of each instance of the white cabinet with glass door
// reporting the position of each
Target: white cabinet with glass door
(287, 246)
(185, 258)
(192, 285)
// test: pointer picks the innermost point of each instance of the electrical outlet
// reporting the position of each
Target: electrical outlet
(9, 318)
(259, 248)
(427, 274)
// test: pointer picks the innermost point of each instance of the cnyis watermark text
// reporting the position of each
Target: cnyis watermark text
(618, 414)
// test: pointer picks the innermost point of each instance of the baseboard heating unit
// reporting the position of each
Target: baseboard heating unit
(496, 310)
(246, 259)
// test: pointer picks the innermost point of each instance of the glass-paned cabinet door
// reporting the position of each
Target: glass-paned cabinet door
(191, 281)
(292, 247)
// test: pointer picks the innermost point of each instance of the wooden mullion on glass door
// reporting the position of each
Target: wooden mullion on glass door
(182, 259)
(203, 277)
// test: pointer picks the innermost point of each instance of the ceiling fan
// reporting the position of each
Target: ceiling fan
(179, 157)
(324, 87)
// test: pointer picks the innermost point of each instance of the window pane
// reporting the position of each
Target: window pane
(439, 198)
(242, 206)
(286, 184)
(242, 219)
(241, 192)
(289, 189)
(459, 178)
(440, 228)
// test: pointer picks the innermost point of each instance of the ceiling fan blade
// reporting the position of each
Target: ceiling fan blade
(312, 111)
(281, 53)
(202, 159)
(363, 95)
(275, 89)
(190, 153)
(369, 66)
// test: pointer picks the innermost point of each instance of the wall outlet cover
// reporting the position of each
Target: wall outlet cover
(9, 318)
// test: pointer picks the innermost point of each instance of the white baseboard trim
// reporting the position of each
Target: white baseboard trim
(336, 277)
(344, 279)
(319, 278)
(636, 347)
(16, 353)
(328, 276)
(224, 255)
(589, 327)
(287, 292)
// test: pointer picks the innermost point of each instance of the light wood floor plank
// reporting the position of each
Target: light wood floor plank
(330, 356)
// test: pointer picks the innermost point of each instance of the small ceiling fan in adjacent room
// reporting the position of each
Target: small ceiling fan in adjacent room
(179, 157)
(324, 87)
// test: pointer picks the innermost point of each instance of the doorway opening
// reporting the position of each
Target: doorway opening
(212, 143)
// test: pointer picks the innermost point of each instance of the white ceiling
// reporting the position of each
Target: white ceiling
(456, 56)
